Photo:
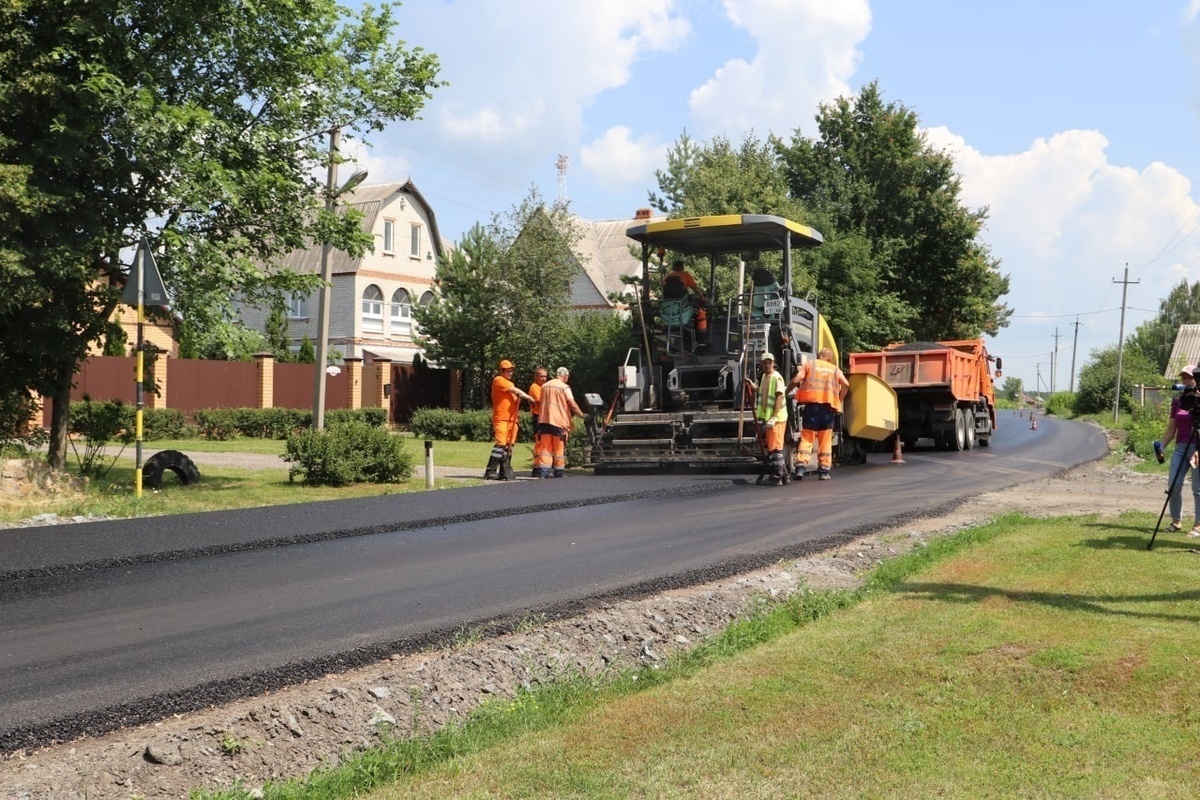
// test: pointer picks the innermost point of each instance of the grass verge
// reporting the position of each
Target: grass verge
(1025, 658)
(228, 487)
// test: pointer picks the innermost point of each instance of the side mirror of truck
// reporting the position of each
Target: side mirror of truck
(999, 368)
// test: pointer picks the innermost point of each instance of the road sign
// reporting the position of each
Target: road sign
(144, 274)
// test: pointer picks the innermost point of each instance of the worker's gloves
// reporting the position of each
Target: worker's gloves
(770, 424)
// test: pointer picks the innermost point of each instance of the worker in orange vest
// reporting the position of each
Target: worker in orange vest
(555, 418)
(678, 284)
(820, 387)
(535, 391)
(506, 405)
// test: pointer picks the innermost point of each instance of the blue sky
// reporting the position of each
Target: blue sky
(1075, 123)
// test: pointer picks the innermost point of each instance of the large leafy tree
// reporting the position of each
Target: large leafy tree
(1155, 338)
(876, 180)
(503, 293)
(1098, 380)
(200, 125)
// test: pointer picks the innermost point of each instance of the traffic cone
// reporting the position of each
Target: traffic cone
(896, 457)
(1032, 421)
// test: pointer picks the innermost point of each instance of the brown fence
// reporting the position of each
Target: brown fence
(193, 384)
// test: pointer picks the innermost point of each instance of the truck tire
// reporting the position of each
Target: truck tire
(985, 437)
(968, 429)
(173, 460)
(958, 439)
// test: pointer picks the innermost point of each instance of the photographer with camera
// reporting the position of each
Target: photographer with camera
(1185, 411)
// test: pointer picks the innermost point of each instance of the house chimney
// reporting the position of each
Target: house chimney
(642, 214)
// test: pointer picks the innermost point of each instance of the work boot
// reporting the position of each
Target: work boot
(800, 472)
(491, 472)
(823, 475)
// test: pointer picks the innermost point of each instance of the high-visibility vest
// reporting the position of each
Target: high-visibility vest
(820, 384)
(555, 407)
(767, 389)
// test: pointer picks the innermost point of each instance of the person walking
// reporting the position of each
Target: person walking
(535, 391)
(820, 386)
(770, 413)
(506, 405)
(1183, 457)
(556, 414)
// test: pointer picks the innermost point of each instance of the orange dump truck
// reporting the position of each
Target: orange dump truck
(943, 390)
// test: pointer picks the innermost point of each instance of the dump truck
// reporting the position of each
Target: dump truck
(944, 390)
(681, 400)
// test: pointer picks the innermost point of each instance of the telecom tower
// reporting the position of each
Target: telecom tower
(561, 164)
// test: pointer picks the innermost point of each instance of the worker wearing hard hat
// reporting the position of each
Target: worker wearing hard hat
(820, 386)
(506, 403)
(770, 414)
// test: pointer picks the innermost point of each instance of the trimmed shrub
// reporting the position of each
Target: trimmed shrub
(440, 424)
(347, 452)
(217, 424)
(161, 423)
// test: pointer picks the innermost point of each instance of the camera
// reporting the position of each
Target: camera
(1190, 400)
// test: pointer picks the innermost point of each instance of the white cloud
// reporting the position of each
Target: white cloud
(548, 61)
(807, 51)
(1190, 11)
(618, 160)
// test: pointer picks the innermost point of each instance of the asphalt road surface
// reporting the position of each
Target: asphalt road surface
(112, 623)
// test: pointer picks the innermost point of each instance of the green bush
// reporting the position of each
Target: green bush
(373, 417)
(161, 423)
(17, 435)
(440, 424)
(347, 452)
(217, 424)
(98, 424)
(1148, 425)
(1061, 404)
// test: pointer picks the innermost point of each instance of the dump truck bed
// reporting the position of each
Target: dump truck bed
(956, 368)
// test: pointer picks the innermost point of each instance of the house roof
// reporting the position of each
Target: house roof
(370, 200)
(604, 253)
(1186, 350)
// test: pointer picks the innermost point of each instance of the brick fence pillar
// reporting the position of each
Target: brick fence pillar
(265, 396)
(354, 367)
(383, 385)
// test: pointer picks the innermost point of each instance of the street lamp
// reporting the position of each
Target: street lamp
(332, 192)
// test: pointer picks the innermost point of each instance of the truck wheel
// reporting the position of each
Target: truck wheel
(985, 438)
(959, 442)
(968, 428)
(173, 460)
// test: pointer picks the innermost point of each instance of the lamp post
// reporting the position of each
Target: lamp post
(332, 192)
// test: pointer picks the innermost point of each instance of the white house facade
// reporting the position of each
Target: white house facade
(371, 298)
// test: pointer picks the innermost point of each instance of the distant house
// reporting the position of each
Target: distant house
(160, 326)
(605, 255)
(371, 298)
(1186, 350)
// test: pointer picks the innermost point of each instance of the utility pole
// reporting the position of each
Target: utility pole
(1054, 363)
(1074, 346)
(1121, 340)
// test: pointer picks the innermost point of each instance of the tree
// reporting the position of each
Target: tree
(1098, 380)
(277, 333)
(503, 293)
(873, 176)
(1012, 388)
(1155, 338)
(198, 125)
(307, 353)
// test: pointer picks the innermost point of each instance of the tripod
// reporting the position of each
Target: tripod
(1193, 446)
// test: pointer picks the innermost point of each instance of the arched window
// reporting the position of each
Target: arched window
(372, 309)
(425, 300)
(401, 313)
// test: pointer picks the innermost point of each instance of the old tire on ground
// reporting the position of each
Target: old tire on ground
(173, 460)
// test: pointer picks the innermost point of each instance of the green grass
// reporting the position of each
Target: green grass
(1027, 658)
(230, 487)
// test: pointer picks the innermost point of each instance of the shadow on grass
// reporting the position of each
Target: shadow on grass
(1115, 534)
(1096, 604)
